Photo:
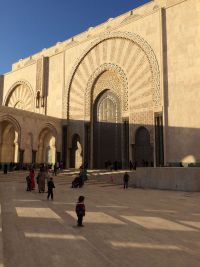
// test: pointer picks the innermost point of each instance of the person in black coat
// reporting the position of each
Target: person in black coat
(126, 180)
(5, 169)
(51, 186)
(80, 210)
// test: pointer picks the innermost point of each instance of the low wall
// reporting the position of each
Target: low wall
(179, 179)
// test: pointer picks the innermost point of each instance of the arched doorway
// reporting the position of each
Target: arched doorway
(143, 151)
(76, 158)
(47, 147)
(106, 129)
(9, 143)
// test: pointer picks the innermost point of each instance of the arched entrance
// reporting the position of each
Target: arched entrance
(133, 75)
(76, 158)
(106, 129)
(9, 142)
(143, 151)
(46, 147)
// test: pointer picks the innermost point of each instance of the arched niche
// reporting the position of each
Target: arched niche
(143, 150)
(76, 157)
(106, 129)
(46, 146)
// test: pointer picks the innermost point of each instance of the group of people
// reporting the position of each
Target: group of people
(41, 178)
(15, 166)
(116, 165)
(43, 175)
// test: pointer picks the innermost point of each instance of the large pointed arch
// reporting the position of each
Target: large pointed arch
(140, 44)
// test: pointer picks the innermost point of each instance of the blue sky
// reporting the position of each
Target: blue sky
(29, 26)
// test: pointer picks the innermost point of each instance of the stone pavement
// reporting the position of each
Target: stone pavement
(125, 228)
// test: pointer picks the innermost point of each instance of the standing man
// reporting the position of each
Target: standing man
(80, 210)
(126, 180)
(5, 169)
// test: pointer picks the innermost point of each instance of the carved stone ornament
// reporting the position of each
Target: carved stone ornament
(20, 94)
(122, 95)
(136, 39)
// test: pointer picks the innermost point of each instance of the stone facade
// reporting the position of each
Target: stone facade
(129, 86)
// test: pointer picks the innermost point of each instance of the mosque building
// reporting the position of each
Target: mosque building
(126, 90)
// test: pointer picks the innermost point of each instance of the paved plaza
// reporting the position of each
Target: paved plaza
(127, 228)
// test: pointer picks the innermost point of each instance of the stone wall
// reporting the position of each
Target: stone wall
(178, 179)
(27, 74)
(182, 53)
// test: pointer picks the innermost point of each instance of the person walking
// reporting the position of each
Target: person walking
(51, 186)
(126, 180)
(80, 211)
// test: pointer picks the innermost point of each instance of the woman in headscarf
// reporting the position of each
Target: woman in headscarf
(32, 177)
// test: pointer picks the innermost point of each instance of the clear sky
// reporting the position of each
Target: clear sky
(26, 27)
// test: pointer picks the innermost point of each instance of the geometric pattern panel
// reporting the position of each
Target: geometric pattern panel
(107, 76)
(133, 55)
(130, 58)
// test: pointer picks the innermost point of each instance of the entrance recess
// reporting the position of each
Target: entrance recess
(143, 151)
(106, 129)
(46, 147)
(76, 159)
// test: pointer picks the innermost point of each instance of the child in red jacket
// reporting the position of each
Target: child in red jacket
(80, 210)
